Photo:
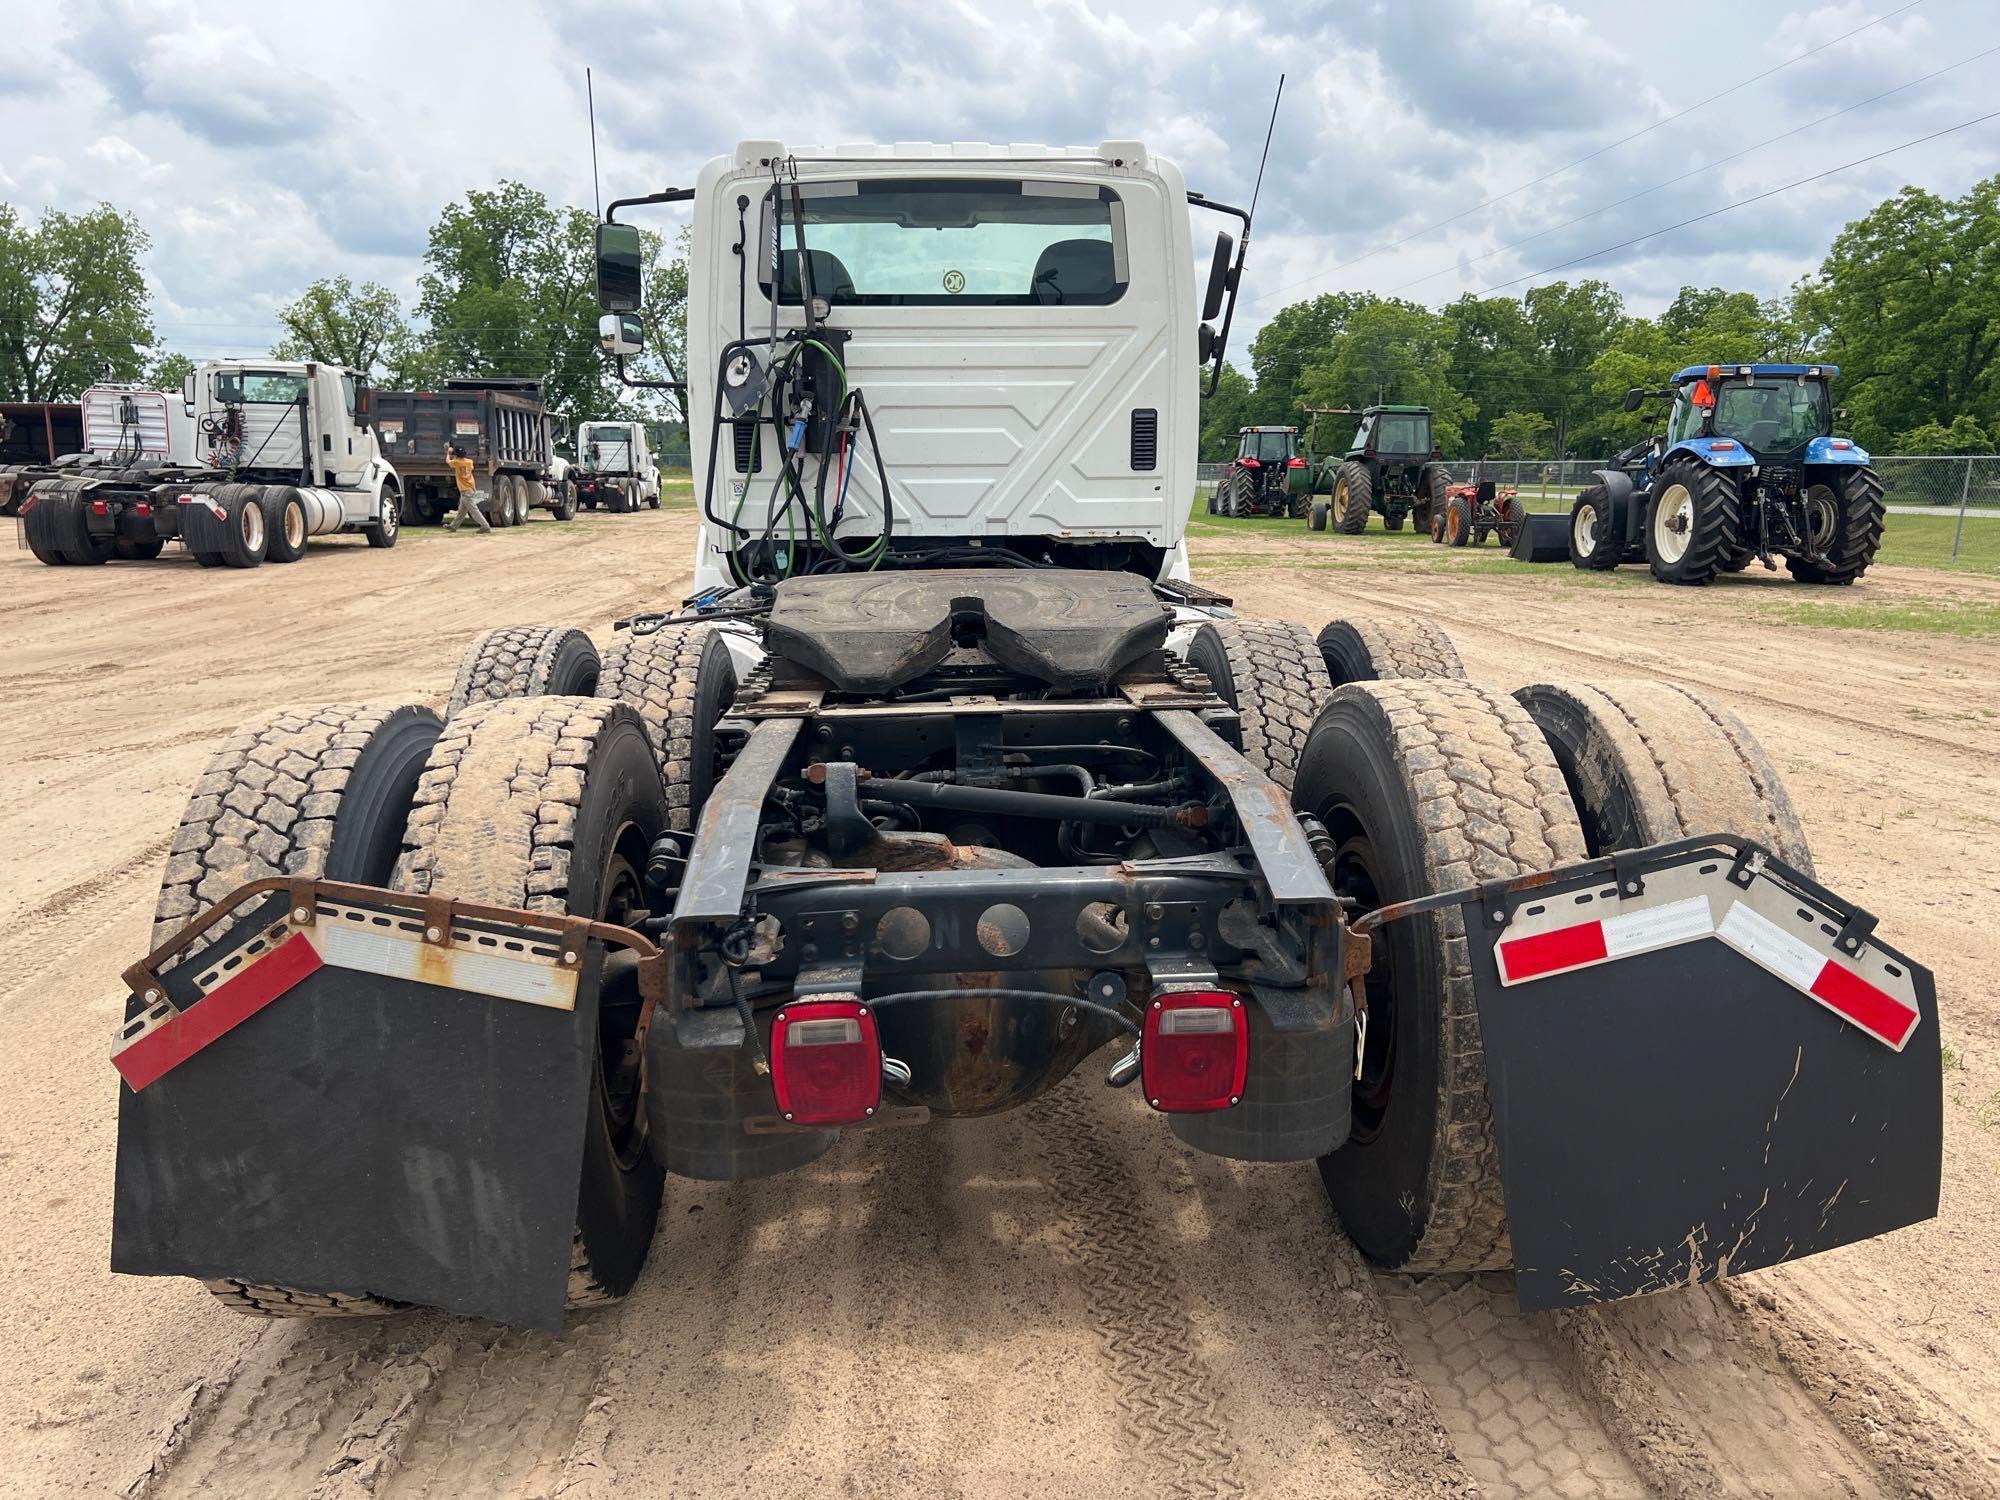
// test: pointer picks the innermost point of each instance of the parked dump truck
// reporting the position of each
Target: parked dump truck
(948, 782)
(615, 467)
(34, 434)
(280, 454)
(504, 428)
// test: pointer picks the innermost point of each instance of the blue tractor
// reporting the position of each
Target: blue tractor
(1747, 468)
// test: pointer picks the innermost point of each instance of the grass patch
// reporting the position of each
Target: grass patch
(1945, 617)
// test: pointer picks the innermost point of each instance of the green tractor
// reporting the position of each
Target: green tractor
(1392, 467)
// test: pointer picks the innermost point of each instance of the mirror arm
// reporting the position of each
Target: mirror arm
(669, 195)
(1235, 278)
(676, 388)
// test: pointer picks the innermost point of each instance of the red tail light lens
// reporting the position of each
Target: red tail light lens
(1722, 445)
(99, 508)
(826, 1062)
(1296, 463)
(1195, 1052)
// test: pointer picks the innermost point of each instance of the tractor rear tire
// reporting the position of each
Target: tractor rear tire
(1365, 648)
(1353, 493)
(1647, 762)
(680, 680)
(553, 805)
(1426, 787)
(1297, 506)
(1691, 522)
(1212, 496)
(1242, 495)
(1856, 502)
(1592, 548)
(1271, 672)
(1433, 483)
(1513, 516)
(525, 661)
(1457, 521)
(1737, 561)
(1316, 518)
(319, 792)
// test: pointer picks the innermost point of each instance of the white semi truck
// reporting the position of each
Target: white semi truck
(948, 783)
(260, 457)
(615, 467)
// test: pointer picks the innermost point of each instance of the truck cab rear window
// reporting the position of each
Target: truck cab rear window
(903, 243)
(240, 387)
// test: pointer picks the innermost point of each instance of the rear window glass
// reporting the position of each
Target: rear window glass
(238, 387)
(904, 243)
(1267, 447)
(1402, 432)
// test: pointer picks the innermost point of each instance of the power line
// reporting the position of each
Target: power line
(1708, 167)
(1742, 202)
(1600, 151)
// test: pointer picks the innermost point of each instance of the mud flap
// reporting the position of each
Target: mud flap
(1700, 1063)
(339, 1106)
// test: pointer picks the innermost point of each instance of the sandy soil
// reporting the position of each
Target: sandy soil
(1060, 1301)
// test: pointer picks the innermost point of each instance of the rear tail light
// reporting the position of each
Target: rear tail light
(1722, 445)
(99, 508)
(1195, 1051)
(143, 508)
(1296, 463)
(1250, 463)
(1842, 444)
(826, 1062)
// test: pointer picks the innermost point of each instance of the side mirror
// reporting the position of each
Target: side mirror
(1218, 279)
(187, 392)
(1634, 396)
(621, 333)
(1204, 344)
(363, 402)
(620, 255)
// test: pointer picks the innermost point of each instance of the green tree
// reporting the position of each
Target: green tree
(1223, 414)
(1964, 435)
(1573, 325)
(1907, 303)
(1394, 352)
(510, 289)
(1298, 338)
(168, 371)
(1522, 434)
(336, 323)
(1495, 362)
(73, 304)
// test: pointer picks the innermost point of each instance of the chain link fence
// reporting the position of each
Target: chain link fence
(1952, 500)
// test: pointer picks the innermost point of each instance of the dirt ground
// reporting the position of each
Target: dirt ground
(1059, 1301)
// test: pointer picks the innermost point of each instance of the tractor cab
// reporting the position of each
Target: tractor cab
(1394, 434)
(1775, 411)
(1259, 481)
(1276, 446)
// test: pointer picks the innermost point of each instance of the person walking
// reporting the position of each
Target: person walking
(468, 493)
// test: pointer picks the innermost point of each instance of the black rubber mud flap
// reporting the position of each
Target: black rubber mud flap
(360, 1131)
(1721, 1072)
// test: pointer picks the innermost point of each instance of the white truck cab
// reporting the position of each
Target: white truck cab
(1021, 318)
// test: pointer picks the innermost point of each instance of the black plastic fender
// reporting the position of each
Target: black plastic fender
(1627, 508)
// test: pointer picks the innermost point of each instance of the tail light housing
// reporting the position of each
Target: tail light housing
(99, 508)
(1722, 445)
(1295, 463)
(826, 1062)
(1841, 445)
(1194, 1051)
(1249, 463)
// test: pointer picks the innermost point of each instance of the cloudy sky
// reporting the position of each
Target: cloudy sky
(1426, 147)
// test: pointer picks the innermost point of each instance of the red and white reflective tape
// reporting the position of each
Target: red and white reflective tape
(477, 963)
(1689, 903)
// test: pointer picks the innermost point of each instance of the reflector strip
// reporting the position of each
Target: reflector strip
(1882, 1015)
(165, 1045)
(1551, 952)
(1589, 943)
(373, 951)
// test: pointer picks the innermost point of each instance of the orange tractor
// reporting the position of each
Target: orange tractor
(1471, 511)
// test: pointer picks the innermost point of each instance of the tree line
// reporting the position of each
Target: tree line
(508, 289)
(1906, 303)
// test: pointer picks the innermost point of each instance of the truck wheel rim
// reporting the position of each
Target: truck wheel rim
(1354, 877)
(251, 524)
(1583, 530)
(1822, 515)
(392, 515)
(1673, 523)
(624, 1097)
(295, 526)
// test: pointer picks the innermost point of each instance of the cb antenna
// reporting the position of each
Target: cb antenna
(1242, 245)
(597, 193)
(1268, 132)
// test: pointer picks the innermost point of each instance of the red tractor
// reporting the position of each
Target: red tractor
(1471, 511)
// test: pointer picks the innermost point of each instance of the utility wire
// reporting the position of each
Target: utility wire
(1707, 167)
(1593, 155)
(1859, 161)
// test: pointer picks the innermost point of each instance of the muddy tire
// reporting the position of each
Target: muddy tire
(1432, 484)
(620, 500)
(1316, 518)
(565, 502)
(1513, 516)
(525, 661)
(1692, 522)
(1353, 493)
(1364, 648)
(38, 530)
(1853, 521)
(246, 537)
(284, 522)
(553, 805)
(320, 792)
(1272, 674)
(1592, 548)
(499, 503)
(1427, 786)
(1457, 521)
(383, 531)
(1646, 762)
(679, 680)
